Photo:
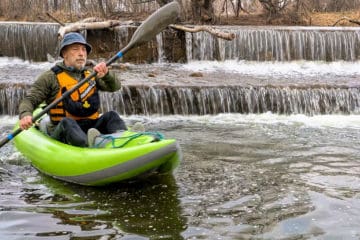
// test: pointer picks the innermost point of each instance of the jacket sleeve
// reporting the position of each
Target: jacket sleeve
(108, 83)
(44, 89)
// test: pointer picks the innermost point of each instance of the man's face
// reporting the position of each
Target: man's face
(75, 55)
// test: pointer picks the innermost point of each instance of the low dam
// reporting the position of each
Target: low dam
(243, 91)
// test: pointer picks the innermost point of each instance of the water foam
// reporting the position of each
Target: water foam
(294, 68)
(12, 61)
(317, 121)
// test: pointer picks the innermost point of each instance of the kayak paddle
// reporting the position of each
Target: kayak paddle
(153, 25)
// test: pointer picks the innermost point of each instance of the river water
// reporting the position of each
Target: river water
(242, 176)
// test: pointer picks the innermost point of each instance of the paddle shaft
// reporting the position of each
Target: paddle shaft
(146, 31)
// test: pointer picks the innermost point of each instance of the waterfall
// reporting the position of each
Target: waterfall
(30, 41)
(10, 97)
(277, 44)
(144, 100)
(160, 48)
(33, 41)
(250, 91)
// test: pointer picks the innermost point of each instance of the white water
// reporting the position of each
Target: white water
(6, 62)
(294, 68)
(304, 68)
(298, 120)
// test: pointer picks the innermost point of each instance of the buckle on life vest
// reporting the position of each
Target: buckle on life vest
(86, 104)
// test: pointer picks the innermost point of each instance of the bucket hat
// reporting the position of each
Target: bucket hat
(71, 38)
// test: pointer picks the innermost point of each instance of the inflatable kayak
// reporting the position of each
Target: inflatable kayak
(116, 157)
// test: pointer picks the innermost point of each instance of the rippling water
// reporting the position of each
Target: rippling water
(241, 176)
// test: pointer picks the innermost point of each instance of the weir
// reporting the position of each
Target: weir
(277, 44)
(145, 100)
(33, 41)
(38, 41)
(29, 41)
(234, 99)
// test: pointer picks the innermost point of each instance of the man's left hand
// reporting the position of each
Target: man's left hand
(101, 69)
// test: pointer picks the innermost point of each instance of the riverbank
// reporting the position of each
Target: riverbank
(311, 19)
(244, 19)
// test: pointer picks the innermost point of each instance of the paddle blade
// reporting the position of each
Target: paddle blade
(156, 22)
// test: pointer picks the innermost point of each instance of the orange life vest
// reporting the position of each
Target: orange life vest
(83, 103)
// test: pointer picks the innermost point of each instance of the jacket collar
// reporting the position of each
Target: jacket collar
(70, 69)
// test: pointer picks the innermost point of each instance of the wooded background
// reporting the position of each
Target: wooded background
(195, 11)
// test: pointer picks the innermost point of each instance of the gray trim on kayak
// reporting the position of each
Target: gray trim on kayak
(120, 168)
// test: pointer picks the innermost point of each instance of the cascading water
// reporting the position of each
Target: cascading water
(160, 48)
(236, 99)
(9, 98)
(30, 41)
(36, 41)
(277, 44)
(215, 100)
(250, 90)
(33, 41)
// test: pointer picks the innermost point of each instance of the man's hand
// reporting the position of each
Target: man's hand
(26, 122)
(101, 69)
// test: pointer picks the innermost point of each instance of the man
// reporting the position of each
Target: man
(71, 119)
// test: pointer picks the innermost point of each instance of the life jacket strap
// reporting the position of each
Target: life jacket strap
(56, 69)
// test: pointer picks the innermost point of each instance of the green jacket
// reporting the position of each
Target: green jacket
(46, 87)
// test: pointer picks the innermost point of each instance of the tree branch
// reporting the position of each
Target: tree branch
(55, 19)
(354, 21)
(224, 35)
(348, 19)
(86, 24)
(78, 26)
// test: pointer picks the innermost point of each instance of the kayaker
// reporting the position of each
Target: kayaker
(76, 120)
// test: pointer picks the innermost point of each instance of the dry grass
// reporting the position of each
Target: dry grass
(312, 19)
(329, 19)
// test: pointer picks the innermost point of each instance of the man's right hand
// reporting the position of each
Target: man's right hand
(26, 122)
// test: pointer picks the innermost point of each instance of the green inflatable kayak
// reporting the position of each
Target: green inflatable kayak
(116, 157)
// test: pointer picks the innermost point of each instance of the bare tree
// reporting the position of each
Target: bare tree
(202, 10)
(101, 8)
(198, 11)
(274, 7)
(342, 5)
(163, 2)
(82, 5)
(333, 5)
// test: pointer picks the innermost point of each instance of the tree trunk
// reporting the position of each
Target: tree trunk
(101, 8)
(274, 7)
(217, 33)
(83, 5)
(163, 2)
(56, 5)
(202, 10)
(209, 11)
